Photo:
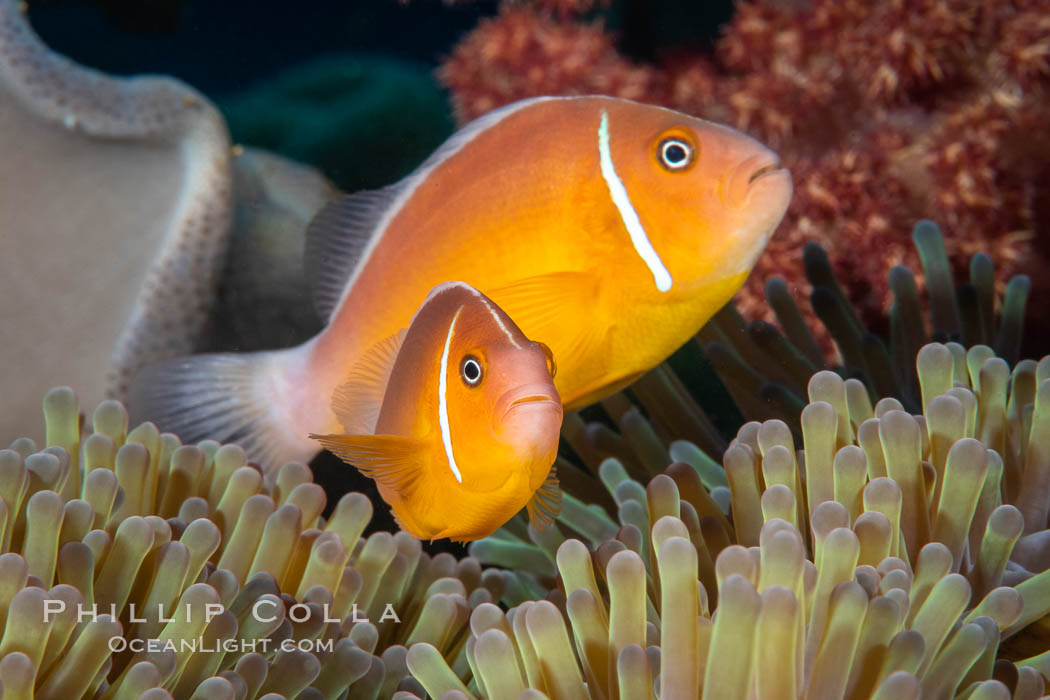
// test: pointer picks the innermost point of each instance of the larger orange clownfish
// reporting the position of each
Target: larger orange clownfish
(611, 230)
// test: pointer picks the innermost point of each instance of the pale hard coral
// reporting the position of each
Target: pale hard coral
(244, 588)
(116, 201)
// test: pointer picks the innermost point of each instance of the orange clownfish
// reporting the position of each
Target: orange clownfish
(611, 230)
(466, 420)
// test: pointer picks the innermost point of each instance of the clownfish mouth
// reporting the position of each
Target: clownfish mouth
(533, 399)
(533, 395)
(763, 171)
(761, 176)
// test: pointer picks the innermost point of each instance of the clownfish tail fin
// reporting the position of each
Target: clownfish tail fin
(232, 398)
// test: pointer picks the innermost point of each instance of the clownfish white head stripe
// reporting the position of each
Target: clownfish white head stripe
(498, 320)
(629, 216)
(446, 431)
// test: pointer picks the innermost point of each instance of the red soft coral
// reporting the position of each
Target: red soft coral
(525, 52)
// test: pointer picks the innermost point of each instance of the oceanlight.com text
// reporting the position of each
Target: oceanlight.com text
(199, 645)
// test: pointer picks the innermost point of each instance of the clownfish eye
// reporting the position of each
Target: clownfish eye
(675, 153)
(552, 366)
(470, 370)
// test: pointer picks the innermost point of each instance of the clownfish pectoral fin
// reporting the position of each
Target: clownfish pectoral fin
(357, 402)
(336, 240)
(545, 504)
(541, 306)
(392, 460)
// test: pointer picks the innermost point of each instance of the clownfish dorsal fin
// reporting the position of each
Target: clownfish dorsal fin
(336, 240)
(391, 460)
(341, 236)
(357, 402)
(545, 504)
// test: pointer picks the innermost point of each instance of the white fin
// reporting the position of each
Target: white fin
(336, 241)
(358, 401)
(342, 235)
(219, 397)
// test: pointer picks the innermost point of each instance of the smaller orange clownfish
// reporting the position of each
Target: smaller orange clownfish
(456, 418)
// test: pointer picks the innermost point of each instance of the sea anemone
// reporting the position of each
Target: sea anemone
(189, 543)
(783, 626)
(776, 364)
(892, 553)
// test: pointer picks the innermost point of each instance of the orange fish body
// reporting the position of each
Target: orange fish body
(609, 229)
(542, 237)
(468, 424)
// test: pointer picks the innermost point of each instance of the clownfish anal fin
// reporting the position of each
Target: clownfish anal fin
(357, 402)
(336, 240)
(545, 504)
(540, 306)
(391, 460)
